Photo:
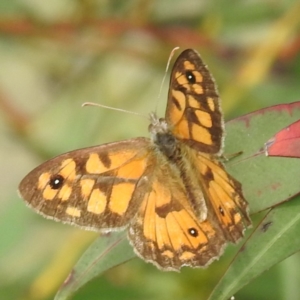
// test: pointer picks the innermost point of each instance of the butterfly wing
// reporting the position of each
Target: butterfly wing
(224, 195)
(194, 116)
(94, 188)
(166, 231)
(193, 110)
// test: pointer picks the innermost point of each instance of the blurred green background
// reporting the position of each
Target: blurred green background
(55, 55)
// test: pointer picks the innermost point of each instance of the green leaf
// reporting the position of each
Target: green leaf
(266, 181)
(105, 253)
(274, 239)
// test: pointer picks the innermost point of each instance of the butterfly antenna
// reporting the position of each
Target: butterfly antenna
(164, 78)
(114, 108)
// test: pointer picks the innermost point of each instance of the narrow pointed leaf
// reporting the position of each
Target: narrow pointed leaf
(275, 238)
(105, 253)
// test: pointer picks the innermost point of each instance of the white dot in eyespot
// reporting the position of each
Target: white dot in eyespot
(190, 77)
(56, 181)
(221, 210)
(193, 232)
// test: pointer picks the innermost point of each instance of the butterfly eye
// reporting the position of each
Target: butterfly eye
(190, 77)
(193, 232)
(56, 181)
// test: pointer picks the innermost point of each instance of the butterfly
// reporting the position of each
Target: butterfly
(170, 191)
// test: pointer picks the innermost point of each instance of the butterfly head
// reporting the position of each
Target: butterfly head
(158, 125)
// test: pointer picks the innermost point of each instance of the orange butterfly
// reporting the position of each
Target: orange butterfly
(171, 191)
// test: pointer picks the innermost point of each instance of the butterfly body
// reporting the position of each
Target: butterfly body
(171, 191)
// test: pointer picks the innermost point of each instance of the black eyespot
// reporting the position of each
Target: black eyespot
(190, 77)
(56, 181)
(193, 232)
(221, 211)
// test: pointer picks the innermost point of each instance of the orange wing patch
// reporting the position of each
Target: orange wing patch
(87, 186)
(122, 191)
(97, 202)
(73, 211)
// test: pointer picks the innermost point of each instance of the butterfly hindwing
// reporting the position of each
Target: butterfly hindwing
(224, 195)
(167, 232)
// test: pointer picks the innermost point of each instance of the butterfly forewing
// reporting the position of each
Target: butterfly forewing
(95, 188)
(193, 109)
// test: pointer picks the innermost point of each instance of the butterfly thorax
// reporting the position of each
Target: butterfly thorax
(163, 138)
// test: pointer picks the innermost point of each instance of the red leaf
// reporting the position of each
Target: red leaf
(286, 142)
